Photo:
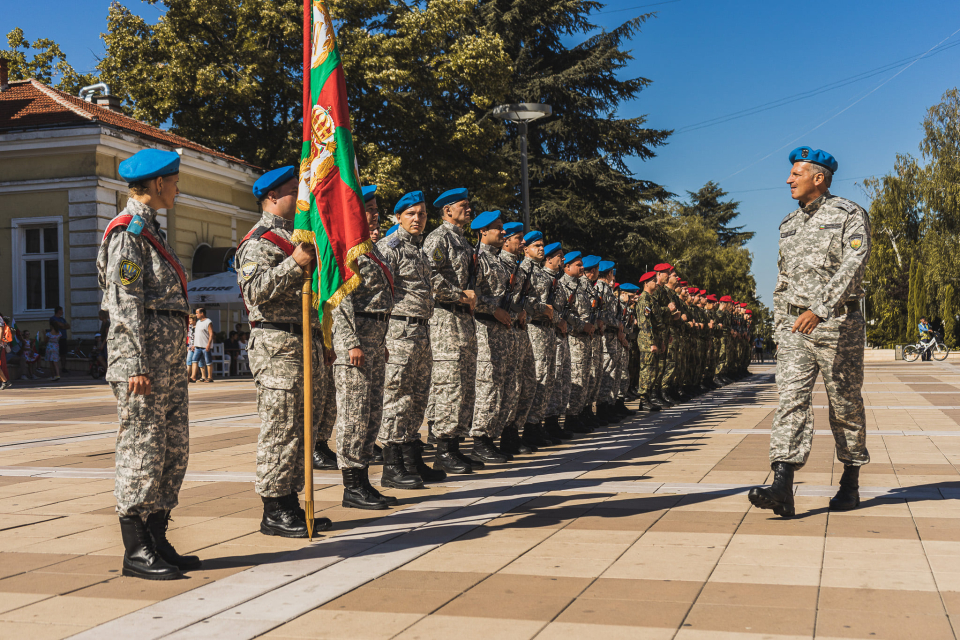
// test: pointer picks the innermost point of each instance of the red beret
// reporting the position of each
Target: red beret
(743, 304)
(750, 312)
(682, 282)
(712, 298)
(692, 290)
(648, 275)
(726, 299)
(703, 291)
(663, 266)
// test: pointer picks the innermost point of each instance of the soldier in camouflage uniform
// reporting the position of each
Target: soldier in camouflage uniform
(521, 386)
(628, 299)
(608, 384)
(144, 291)
(824, 248)
(559, 393)
(648, 340)
(591, 274)
(667, 315)
(580, 339)
(453, 334)
(408, 369)
(270, 274)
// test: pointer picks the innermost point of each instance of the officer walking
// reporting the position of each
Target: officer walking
(270, 275)
(145, 293)
(824, 248)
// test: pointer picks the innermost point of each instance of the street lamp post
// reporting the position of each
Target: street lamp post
(523, 113)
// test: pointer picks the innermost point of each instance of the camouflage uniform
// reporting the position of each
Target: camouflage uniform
(360, 321)
(559, 394)
(672, 370)
(407, 383)
(519, 356)
(270, 283)
(608, 386)
(453, 336)
(154, 436)
(542, 338)
(664, 323)
(581, 344)
(596, 342)
(494, 343)
(824, 248)
(648, 328)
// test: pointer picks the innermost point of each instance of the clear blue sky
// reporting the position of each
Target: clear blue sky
(709, 59)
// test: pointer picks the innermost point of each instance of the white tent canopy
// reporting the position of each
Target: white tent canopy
(215, 291)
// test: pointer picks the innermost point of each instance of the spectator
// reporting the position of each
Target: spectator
(29, 357)
(231, 346)
(190, 329)
(53, 349)
(6, 337)
(202, 339)
(758, 349)
(58, 322)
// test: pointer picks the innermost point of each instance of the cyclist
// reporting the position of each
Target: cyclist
(926, 334)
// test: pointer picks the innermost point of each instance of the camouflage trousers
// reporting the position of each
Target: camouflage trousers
(495, 355)
(153, 441)
(360, 395)
(596, 367)
(406, 381)
(560, 392)
(649, 363)
(722, 354)
(513, 357)
(581, 366)
(526, 380)
(543, 340)
(276, 360)
(834, 350)
(609, 383)
(661, 360)
(453, 338)
(624, 371)
(328, 416)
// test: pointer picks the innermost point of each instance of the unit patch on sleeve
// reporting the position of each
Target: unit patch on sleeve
(129, 272)
(248, 269)
(856, 241)
(437, 255)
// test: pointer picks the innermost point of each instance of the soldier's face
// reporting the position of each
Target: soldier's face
(167, 191)
(534, 250)
(373, 213)
(592, 273)
(574, 269)
(662, 277)
(459, 213)
(553, 262)
(282, 201)
(413, 219)
(650, 285)
(805, 186)
(493, 235)
(513, 243)
(673, 279)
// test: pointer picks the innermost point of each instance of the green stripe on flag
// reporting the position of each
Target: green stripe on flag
(318, 76)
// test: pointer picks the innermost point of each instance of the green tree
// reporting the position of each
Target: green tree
(48, 64)
(948, 311)
(708, 204)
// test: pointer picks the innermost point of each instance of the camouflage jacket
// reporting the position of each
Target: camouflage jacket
(824, 247)
(539, 289)
(515, 281)
(558, 295)
(596, 300)
(451, 257)
(580, 309)
(492, 278)
(134, 276)
(610, 304)
(374, 294)
(648, 322)
(662, 310)
(412, 285)
(270, 281)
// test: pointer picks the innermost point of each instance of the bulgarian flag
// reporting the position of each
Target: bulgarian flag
(330, 211)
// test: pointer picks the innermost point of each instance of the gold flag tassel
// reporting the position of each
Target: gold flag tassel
(307, 296)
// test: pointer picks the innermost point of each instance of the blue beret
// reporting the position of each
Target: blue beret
(391, 230)
(369, 192)
(272, 180)
(149, 163)
(590, 262)
(814, 156)
(606, 265)
(629, 287)
(451, 196)
(550, 249)
(408, 200)
(533, 236)
(512, 229)
(571, 257)
(484, 220)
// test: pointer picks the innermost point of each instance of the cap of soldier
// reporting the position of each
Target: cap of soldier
(369, 192)
(748, 311)
(712, 298)
(150, 163)
(484, 220)
(271, 180)
(703, 291)
(512, 229)
(606, 265)
(571, 256)
(692, 290)
(726, 299)
(663, 266)
(743, 304)
(391, 230)
(408, 200)
(629, 287)
(591, 261)
(533, 236)
(814, 156)
(681, 282)
(647, 276)
(550, 249)
(451, 196)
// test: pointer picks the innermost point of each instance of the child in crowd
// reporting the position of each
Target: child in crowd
(53, 350)
(29, 357)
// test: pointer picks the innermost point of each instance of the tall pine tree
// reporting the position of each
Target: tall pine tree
(708, 204)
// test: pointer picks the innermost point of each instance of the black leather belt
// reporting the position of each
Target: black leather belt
(410, 319)
(382, 317)
(543, 323)
(166, 312)
(489, 317)
(289, 327)
(453, 307)
(850, 307)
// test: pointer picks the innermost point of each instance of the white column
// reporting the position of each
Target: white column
(90, 211)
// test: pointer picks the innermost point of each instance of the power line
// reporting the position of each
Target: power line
(784, 187)
(641, 6)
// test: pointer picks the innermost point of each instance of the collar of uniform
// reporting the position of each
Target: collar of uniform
(569, 278)
(530, 262)
(276, 222)
(407, 236)
(135, 207)
(452, 227)
(509, 258)
(811, 208)
(551, 272)
(489, 248)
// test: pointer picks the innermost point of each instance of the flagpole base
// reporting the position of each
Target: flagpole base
(308, 507)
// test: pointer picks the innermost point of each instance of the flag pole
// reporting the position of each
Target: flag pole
(307, 295)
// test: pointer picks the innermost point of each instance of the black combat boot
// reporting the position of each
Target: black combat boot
(414, 464)
(779, 495)
(653, 404)
(474, 463)
(589, 420)
(140, 557)
(848, 498)
(292, 501)
(493, 443)
(323, 457)
(552, 425)
(546, 436)
(622, 408)
(533, 438)
(281, 519)
(357, 494)
(607, 411)
(574, 424)
(484, 450)
(591, 413)
(395, 473)
(510, 442)
(661, 398)
(157, 523)
(670, 398)
(377, 454)
(446, 458)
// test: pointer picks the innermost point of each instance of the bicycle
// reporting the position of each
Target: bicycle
(934, 345)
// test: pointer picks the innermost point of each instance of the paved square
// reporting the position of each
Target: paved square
(640, 530)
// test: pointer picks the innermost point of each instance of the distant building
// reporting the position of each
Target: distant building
(59, 188)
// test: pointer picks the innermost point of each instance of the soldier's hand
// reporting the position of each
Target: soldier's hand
(654, 349)
(589, 328)
(806, 323)
(562, 325)
(502, 316)
(356, 356)
(469, 297)
(549, 311)
(139, 385)
(386, 354)
(672, 307)
(684, 317)
(329, 357)
(599, 325)
(522, 317)
(304, 254)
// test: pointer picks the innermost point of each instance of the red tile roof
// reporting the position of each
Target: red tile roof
(28, 104)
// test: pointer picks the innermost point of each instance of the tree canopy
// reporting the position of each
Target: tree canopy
(48, 64)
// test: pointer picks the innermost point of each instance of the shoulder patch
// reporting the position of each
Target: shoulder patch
(394, 241)
(788, 216)
(136, 225)
(847, 205)
(247, 269)
(437, 255)
(856, 241)
(129, 272)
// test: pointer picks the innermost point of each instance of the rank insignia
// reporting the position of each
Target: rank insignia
(136, 225)
(248, 269)
(856, 242)
(129, 272)
(437, 255)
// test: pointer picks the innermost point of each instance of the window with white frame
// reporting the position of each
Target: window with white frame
(37, 265)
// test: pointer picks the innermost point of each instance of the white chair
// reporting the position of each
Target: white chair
(221, 361)
(243, 363)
